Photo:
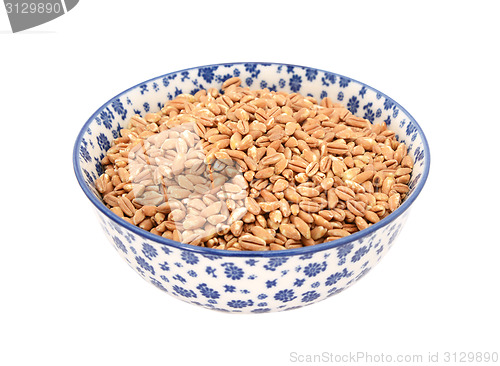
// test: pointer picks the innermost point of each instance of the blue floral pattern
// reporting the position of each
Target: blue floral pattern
(253, 283)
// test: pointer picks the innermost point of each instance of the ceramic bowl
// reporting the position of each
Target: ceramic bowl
(248, 282)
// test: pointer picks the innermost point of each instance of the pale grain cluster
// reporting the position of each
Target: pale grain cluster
(248, 169)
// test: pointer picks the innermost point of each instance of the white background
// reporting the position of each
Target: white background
(66, 298)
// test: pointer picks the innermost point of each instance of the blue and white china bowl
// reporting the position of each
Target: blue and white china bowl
(248, 282)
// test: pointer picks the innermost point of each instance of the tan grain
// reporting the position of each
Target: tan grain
(253, 170)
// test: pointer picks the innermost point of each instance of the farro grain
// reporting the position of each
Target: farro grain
(253, 170)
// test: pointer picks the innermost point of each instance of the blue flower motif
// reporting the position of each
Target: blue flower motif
(388, 104)
(313, 269)
(212, 257)
(340, 96)
(164, 266)
(84, 153)
(261, 310)
(393, 237)
(185, 75)
(289, 69)
(270, 283)
(306, 256)
(360, 253)
(311, 74)
(310, 296)
(362, 92)
(281, 83)
(143, 88)
(229, 288)
(419, 155)
(89, 177)
(238, 304)
(208, 292)
(207, 73)
(262, 296)
(177, 91)
(295, 83)
(343, 251)
(157, 283)
(263, 84)
(315, 284)
(336, 277)
(369, 115)
(165, 81)
(388, 120)
(252, 69)
(328, 79)
(106, 117)
(275, 262)
(189, 258)
(323, 94)
(233, 272)
(344, 82)
(211, 271)
(156, 87)
(179, 278)
(164, 278)
(192, 273)
(334, 291)
(98, 167)
(119, 244)
(353, 104)
(249, 81)
(251, 262)
(144, 264)
(221, 78)
(379, 250)
(166, 250)
(146, 107)
(103, 142)
(410, 128)
(285, 295)
(378, 113)
(149, 251)
(184, 292)
(117, 106)
(299, 282)
(395, 112)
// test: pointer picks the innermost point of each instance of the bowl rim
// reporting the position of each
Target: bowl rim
(228, 253)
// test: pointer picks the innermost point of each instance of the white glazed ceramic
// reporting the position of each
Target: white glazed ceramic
(248, 282)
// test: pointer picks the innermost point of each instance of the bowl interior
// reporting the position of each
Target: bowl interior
(104, 125)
